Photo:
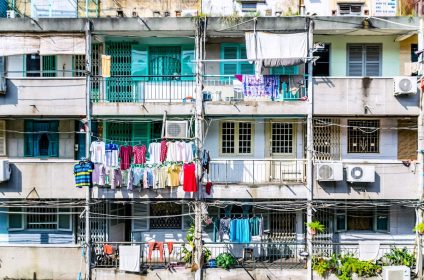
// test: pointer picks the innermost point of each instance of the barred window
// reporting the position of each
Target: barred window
(282, 140)
(363, 136)
(236, 138)
(172, 211)
(42, 219)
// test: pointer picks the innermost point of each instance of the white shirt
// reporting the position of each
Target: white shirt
(189, 152)
(154, 152)
(97, 151)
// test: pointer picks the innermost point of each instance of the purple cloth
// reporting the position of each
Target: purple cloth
(96, 173)
(263, 86)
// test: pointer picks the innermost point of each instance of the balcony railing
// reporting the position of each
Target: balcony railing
(140, 89)
(228, 88)
(263, 254)
(258, 171)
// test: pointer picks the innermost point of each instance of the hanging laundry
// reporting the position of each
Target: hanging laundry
(256, 226)
(174, 175)
(240, 231)
(208, 188)
(111, 155)
(188, 152)
(180, 151)
(130, 182)
(148, 178)
(125, 154)
(224, 228)
(172, 152)
(139, 154)
(189, 183)
(162, 175)
(154, 153)
(124, 176)
(99, 174)
(97, 152)
(115, 178)
(262, 86)
(163, 150)
(83, 174)
(138, 173)
(205, 160)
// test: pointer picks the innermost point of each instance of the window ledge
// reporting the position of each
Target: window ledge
(36, 160)
(6, 244)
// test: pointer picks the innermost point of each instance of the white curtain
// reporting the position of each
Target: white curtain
(19, 44)
(52, 45)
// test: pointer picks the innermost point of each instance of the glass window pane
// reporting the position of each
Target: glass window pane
(15, 219)
(341, 222)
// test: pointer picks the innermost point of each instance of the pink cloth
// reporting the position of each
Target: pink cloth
(139, 154)
(163, 150)
(125, 155)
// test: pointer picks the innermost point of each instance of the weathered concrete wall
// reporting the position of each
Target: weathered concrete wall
(39, 262)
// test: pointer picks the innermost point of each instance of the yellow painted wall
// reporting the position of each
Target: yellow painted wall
(405, 54)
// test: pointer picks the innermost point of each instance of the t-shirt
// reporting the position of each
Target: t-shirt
(154, 152)
(174, 175)
(97, 151)
(125, 154)
(139, 154)
(83, 174)
(111, 155)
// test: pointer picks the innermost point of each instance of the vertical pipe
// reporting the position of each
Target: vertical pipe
(420, 156)
(309, 147)
(87, 146)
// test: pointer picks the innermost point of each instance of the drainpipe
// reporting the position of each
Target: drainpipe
(309, 149)
(87, 146)
(420, 157)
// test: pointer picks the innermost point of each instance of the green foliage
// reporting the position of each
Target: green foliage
(344, 267)
(398, 256)
(316, 226)
(419, 227)
(187, 253)
(232, 19)
(225, 260)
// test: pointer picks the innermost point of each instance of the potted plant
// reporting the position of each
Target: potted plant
(225, 260)
(314, 227)
(419, 228)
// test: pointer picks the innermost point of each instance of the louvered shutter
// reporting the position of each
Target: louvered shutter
(187, 64)
(139, 62)
(140, 210)
(355, 60)
(372, 60)
(229, 67)
(29, 139)
(54, 139)
(2, 138)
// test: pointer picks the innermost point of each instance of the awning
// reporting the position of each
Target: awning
(273, 50)
(42, 44)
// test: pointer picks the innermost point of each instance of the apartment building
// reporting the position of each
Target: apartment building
(364, 144)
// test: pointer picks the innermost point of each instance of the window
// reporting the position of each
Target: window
(172, 211)
(137, 133)
(40, 218)
(414, 56)
(322, 65)
(165, 61)
(371, 219)
(350, 9)
(248, 7)
(236, 138)
(364, 60)
(363, 136)
(37, 65)
(41, 138)
(282, 138)
(235, 51)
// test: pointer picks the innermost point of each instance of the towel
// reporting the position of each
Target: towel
(129, 258)
(368, 250)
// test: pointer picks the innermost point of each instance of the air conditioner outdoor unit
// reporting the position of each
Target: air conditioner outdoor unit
(176, 129)
(10, 14)
(396, 273)
(360, 173)
(189, 13)
(329, 171)
(4, 170)
(405, 85)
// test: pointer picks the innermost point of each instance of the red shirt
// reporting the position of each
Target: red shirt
(190, 184)
(139, 154)
(125, 154)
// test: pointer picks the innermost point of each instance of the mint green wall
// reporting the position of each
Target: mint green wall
(154, 40)
(338, 59)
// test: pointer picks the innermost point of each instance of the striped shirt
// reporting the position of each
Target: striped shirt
(82, 172)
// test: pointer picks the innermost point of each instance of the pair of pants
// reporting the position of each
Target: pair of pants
(159, 246)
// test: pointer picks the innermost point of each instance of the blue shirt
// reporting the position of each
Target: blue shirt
(82, 172)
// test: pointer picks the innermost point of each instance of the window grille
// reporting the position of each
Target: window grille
(228, 137)
(327, 139)
(245, 138)
(164, 61)
(282, 138)
(42, 218)
(236, 137)
(363, 136)
(171, 210)
(78, 65)
(119, 133)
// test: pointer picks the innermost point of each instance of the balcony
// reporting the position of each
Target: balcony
(388, 175)
(361, 95)
(41, 178)
(138, 95)
(44, 96)
(224, 92)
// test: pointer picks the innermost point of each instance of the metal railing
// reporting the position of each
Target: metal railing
(140, 89)
(223, 88)
(253, 255)
(258, 171)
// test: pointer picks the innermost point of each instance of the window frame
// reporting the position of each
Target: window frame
(364, 59)
(327, 46)
(236, 138)
(348, 137)
(42, 73)
(151, 217)
(238, 64)
(30, 140)
(22, 215)
(269, 146)
(375, 211)
(24, 220)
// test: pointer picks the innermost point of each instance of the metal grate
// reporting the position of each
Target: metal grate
(282, 138)
(228, 137)
(119, 133)
(327, 139)
(42, 218)
(98, 226)
(78, 65)
(174, 221)
(363, 136)
(164, 61)
(49, 66)
(282, 226)
(245, 138)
